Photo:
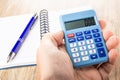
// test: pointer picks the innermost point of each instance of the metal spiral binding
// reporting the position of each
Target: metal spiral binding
(44, 23)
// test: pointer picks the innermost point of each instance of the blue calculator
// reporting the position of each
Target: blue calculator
(83, 38)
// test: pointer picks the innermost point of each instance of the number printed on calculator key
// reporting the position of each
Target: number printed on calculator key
(73, 44)
(91, 46)
(92, 51)
(74, 49)
(77, 60)
(81, 43)
(82, 48)
(89, 41)
(75, 55)
(84, 53)
(85, 58)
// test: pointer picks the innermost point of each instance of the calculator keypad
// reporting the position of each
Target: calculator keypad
(86, 45)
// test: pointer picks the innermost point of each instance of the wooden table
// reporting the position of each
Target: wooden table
(109, 10)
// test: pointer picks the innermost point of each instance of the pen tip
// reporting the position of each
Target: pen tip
(35, 16)
(8, 59)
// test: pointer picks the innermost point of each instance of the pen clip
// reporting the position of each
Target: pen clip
(35, 17)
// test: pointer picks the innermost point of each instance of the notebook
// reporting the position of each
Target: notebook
(12, 27)
(10, 30)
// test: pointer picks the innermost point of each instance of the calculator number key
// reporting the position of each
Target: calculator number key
(82, 48)
(74, 50)
(75, 55)
(73, 44)
(93, 51)
(89, 41)
(91, 46)
(86, 58)
(76, 60)
(84, 53)
(81, 43)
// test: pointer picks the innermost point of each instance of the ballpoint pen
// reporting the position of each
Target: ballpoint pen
(21, 39)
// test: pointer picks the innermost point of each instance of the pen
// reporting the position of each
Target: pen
(21, 39)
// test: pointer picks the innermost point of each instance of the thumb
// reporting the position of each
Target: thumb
(55, 38)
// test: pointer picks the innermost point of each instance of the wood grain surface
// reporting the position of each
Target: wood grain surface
(108, 10)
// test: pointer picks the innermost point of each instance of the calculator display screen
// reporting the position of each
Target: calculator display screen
(80, 23)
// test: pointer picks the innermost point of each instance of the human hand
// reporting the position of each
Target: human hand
(53, 62)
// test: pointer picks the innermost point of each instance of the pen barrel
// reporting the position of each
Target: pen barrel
(23, 36)
(27, 29)
(17, 46)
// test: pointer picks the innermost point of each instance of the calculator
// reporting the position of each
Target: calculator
(83, 38)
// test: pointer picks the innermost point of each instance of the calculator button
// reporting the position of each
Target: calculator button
(73, 44)
(93, 51)
(75, 55)
(70, 35)
(101, 52)
(80, 38)
(87, 32)
(88, 36)
(74, 49)
(93, 56)
(81, 43)
(83, 48)
(95, 30)
(84, 53)
(99, 44)
(91, 46)
(79, 33)
(96, 35)
(77, 60)
(98, 40)
(71, 40)
(89, 41)
(85, 58)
